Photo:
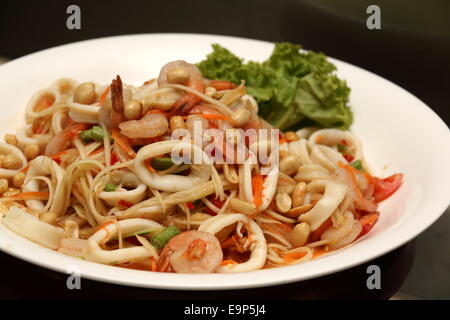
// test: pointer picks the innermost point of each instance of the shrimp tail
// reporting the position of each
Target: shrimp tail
(185, 104)
(190, 100)
(116, 112)
(117, 94)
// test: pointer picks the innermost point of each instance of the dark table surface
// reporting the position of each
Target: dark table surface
(21, 280)
(411, 49)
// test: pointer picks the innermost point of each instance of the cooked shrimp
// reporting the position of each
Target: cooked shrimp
(111, 111)
(221, 85)
(151, 126)
(189, 68)
(191, 252)
(60, 142)
(117, 101)
(194, 81)
(208, 110)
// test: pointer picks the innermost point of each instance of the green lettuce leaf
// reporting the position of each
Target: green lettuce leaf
(292, 87)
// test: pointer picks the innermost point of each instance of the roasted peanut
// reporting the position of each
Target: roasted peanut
(85, 93)
(132, 110)
(31, 151)
(283, 202)
(290, 164)
(300, 234)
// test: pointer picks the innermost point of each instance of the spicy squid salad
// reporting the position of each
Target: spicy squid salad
(188, 171)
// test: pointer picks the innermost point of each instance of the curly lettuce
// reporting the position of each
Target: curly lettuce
(292, 87)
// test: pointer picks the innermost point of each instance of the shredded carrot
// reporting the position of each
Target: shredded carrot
(281, 141)
(319, 139)
(103, 226)
(233, 243)
(25, 169)
(368, 221)
(163, 263)
(229, 242)
(221, 85)
(238, 246)
(294, 255)
(152, 264)
(285, 226)
(257, 185)
(31, 196)
(104, 95)
(123, 144)
(370, 218)
(157, 111)
(289, 260)
(73, 130)
(352, 173)
(278, 251)
(101, 149)
(228, 261)
(272, 227)
(317, 252)
(57, 156)
(216, 117)
(369, 177)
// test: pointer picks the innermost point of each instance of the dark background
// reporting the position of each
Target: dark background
(412, 49)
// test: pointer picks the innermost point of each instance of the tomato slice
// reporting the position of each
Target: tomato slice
(114, 158)
(125, 203)
(384, 188)
(215, 201)
(190, 205)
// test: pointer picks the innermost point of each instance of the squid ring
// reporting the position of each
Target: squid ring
(331, 137)
(51, 93)
(93, 252)
(41, 166)
(10, 149)
(170, 182)
(127, 179)
(259, 252)
(334, 193)
(24, 139)
(83, 112)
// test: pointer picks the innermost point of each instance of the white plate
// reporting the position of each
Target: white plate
(399, 134)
